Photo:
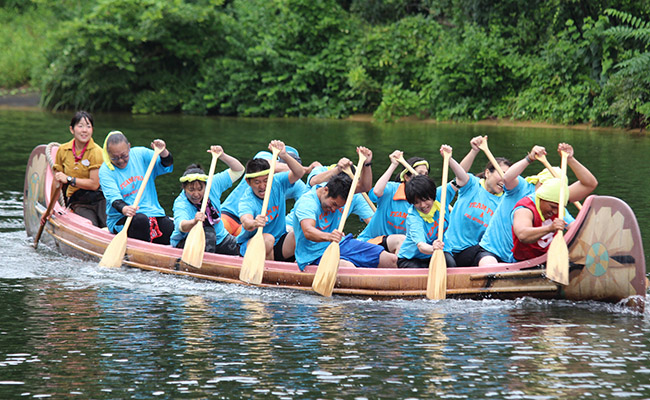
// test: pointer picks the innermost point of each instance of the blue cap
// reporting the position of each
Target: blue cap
(293, 153)
(264, 154)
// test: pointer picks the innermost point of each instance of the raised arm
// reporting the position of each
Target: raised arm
(510, 177)
(468, 160)
(296, 171)
(586, 183)
(380, 185)
(461, 175)
(325, 176)
(365, 181)
(236, 169)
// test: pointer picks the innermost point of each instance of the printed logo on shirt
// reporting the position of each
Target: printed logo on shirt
(130, 181)
(546, 240)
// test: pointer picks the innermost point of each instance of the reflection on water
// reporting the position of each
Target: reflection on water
(71, 329)
(123, 340)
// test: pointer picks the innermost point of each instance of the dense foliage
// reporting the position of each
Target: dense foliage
(578, 61)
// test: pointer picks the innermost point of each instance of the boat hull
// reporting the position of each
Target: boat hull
(605, 253)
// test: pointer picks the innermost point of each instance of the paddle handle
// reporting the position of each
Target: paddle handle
(484, 146)
(208, 185)
(542, 158)
(407, 166)
(353, 187)
(269, 182)
(563, 193)
(50, 206)
(348, 171)
(443, 196)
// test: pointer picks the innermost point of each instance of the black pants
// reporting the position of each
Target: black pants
(140, 228)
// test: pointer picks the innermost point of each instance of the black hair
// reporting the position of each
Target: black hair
(419, 188)
(79, 115)
(411, 161)
(192, 169)
(339, 186)
(491, 168)
(256, 165)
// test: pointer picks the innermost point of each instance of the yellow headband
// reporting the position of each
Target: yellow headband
(256, 174)
(106, 157)
(415, 165)
(194, 177)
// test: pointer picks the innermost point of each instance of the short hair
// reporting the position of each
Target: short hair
(421, 187)
(256, 165)
(116, 137)
(339, 186)
(79, 115)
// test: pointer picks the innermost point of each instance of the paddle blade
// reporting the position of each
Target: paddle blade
(557, 262)
(437, 280)
(114, 253)
(252, 268)
(328, 267)
(194, 246)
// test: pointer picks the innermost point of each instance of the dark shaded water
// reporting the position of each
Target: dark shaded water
(70, 329)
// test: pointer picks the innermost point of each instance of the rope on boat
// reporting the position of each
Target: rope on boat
(48, 157)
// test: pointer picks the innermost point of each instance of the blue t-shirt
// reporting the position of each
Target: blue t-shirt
(498, 235)
(309, 207)
(471, 215)
(231, 204)
(123, 184)
(184, 210)
(418, 230)
(276, 211)
(390, 217)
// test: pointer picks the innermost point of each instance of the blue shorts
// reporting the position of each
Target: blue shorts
(360, 253)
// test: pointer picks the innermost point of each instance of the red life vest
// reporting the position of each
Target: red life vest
(524, 251)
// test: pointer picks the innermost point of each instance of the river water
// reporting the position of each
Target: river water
(69, 329)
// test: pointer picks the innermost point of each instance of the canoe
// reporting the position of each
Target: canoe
(606, 256)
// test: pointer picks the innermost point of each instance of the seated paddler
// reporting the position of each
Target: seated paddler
(280, 244)
(187, 206)
(121, 176)
(317, 217)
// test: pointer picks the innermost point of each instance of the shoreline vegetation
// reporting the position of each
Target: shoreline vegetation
(580, 64)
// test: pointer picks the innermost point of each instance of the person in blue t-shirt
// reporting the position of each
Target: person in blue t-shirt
(187, 205)
(280, 244)
(121, 176)
(317, 216)
(388, 225)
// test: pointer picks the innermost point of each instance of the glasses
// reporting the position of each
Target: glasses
(118, 158)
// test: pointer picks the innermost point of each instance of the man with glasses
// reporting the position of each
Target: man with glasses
(121, 176)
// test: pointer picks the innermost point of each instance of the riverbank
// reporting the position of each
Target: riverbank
(31, 100)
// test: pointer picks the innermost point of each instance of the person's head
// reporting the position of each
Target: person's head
(116, 149)
(335, 193)
(421, 192)
(547, 197)
(193, 183)
(419, 164)
(493, 181)
(81, 127)
(257, 175)
(543, 176)
(293, 153)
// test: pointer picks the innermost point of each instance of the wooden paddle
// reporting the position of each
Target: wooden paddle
(195, 242)
(408, 166)
(557, 261)
(114, 253)
(543, 160)
(252, 267)
(46, 216)
(484, 146)
(348, 171)
(325, 276)
(437, 279)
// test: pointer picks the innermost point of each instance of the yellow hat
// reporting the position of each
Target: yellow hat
(543, 176)
(550, 191)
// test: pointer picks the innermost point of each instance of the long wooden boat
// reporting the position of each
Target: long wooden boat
(605, 251)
